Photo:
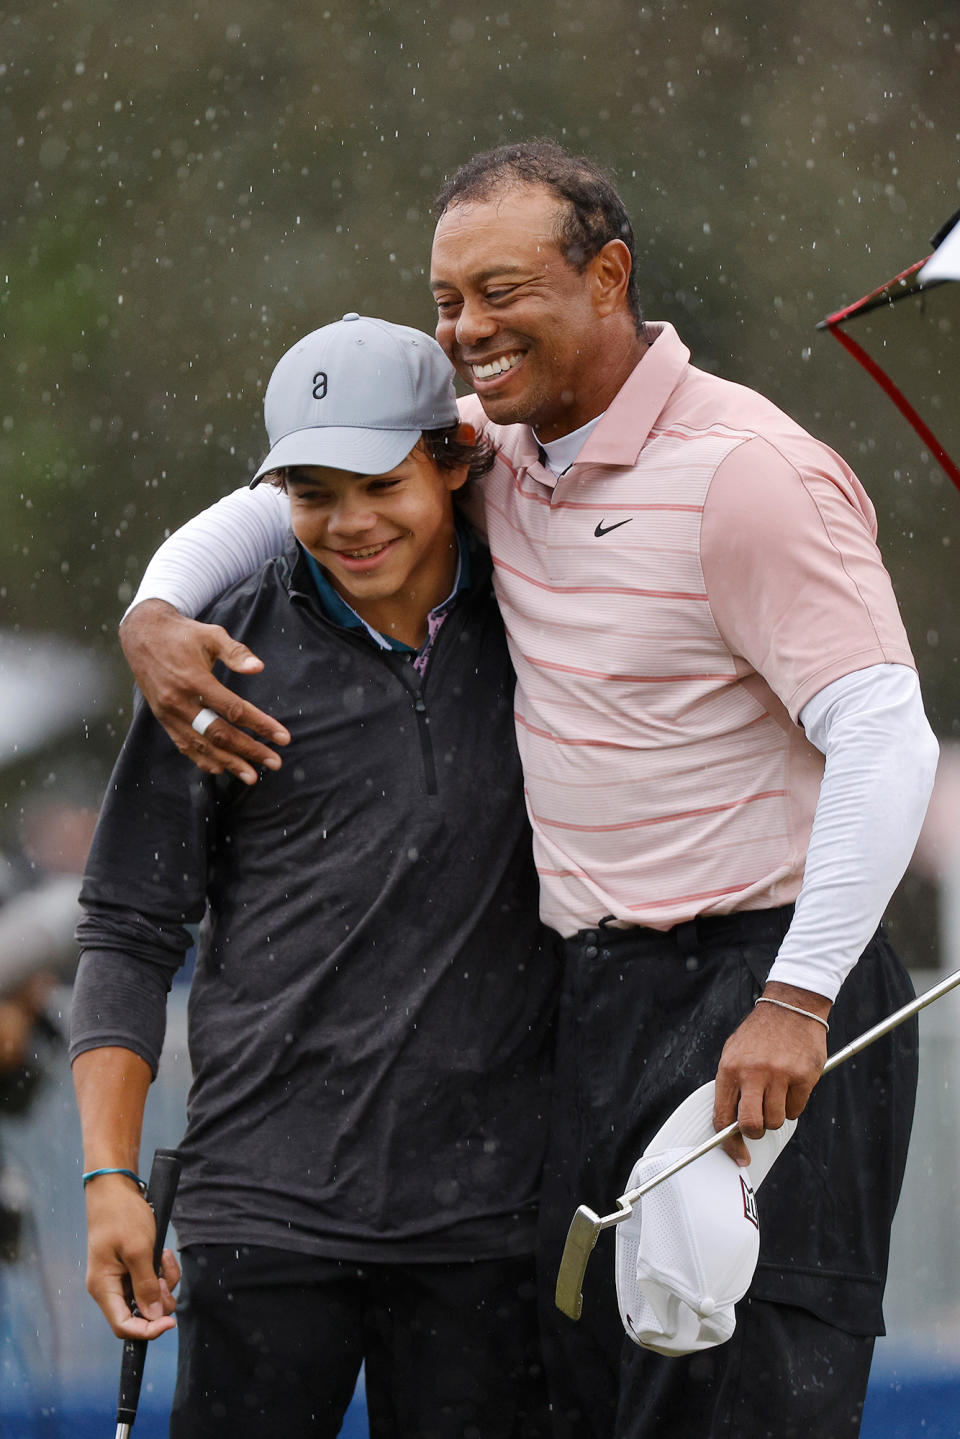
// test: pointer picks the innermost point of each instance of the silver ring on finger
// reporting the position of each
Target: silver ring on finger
(202, 722)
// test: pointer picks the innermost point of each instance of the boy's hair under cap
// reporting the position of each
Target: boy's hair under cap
(356, 395)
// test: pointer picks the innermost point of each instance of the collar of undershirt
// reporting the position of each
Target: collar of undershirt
(558, 455)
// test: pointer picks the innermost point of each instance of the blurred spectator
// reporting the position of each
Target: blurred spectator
(38, 912)
(25, 1032)
(37, 918)
(36, 934)
(57, 835)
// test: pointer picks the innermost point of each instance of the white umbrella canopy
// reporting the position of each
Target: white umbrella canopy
(48, 686)
(906, 335)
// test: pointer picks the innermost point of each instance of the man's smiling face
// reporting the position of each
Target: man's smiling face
(522, 326)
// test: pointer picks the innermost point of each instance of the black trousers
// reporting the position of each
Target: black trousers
(643, 1019)
(271, 1343)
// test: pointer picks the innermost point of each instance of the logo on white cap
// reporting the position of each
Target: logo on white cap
(750, 1210)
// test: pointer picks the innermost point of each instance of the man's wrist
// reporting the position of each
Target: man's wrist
(805, 999)
(149, 604)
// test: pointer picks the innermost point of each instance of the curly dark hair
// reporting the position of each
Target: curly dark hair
(594, 213)
(448, 452)
(445, 448)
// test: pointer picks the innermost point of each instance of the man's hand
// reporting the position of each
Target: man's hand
(121, 1234)
(770, 1065)
(172, 658)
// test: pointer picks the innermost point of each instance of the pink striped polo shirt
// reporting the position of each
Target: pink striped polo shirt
(672, 601)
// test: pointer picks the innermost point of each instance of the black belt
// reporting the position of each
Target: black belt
(701, 932)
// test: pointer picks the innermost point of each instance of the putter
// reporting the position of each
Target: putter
(161, 1188)
(585, 1226)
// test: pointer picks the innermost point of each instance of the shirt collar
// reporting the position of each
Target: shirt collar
(638, 405)
(335, 607)
(620, 433)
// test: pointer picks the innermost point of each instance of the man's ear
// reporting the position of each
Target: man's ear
(611, 268)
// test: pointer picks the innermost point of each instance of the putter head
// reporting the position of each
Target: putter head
(581, 1238)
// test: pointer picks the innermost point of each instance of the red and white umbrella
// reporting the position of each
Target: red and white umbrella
(906, 334)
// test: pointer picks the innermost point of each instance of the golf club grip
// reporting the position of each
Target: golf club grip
(161, 1190)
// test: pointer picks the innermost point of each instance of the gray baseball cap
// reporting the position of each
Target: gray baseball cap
(356, 395)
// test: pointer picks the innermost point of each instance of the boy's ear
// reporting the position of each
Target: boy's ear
(456, 479)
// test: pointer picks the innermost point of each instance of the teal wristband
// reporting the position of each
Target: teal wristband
(95, 1173)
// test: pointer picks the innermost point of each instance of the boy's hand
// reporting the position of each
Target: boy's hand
(120, 1237)
(172, 659)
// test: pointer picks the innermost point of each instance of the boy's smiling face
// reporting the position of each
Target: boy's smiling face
(387, 542)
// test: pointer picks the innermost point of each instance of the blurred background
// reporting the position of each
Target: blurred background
(188, 189)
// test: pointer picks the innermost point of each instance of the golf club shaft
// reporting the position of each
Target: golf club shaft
(847, 1052)
(161, 1188)
(893, 1020)
(862, 1041)
(585, 1227)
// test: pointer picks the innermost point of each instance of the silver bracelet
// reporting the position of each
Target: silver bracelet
(782, 1004)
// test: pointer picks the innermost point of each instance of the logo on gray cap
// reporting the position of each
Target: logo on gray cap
(356, 395)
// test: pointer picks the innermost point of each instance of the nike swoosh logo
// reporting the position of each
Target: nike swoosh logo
(600, 530)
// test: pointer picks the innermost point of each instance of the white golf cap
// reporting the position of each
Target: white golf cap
(688, 1252)
(356, 395)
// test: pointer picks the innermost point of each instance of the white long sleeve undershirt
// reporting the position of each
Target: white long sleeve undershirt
(881, 758)
(880, 752)
(224, 543)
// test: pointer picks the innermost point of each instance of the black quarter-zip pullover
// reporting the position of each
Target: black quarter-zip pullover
(371, 1010)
